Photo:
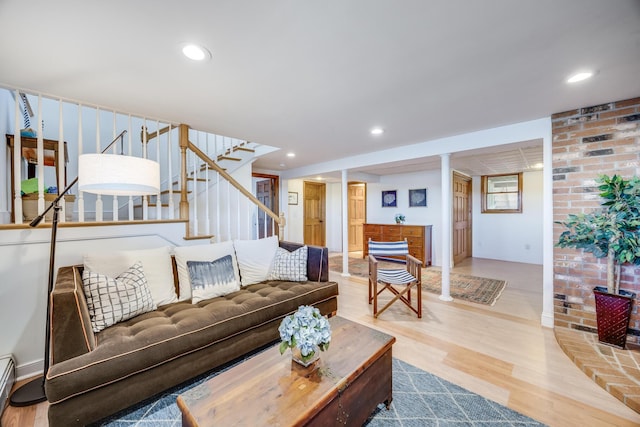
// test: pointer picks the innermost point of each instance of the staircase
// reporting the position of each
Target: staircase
(205, 189)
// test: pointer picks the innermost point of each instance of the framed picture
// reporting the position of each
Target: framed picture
(293, 198)
(389, 199)
(418, 198)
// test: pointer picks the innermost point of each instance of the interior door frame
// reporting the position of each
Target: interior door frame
(364, 184)
(275, 185)
(323, 215)
(469, 204)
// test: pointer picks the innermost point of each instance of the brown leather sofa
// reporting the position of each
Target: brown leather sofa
(94, 375)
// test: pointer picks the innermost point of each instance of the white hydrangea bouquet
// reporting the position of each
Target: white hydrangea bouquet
(306, 331)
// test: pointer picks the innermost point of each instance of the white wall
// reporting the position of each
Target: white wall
(295, 219)
(508, 237)
(511, 237)
(333, 222)
(24, 266)
(402, 183)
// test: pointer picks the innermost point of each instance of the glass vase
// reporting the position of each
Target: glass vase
(296, 356)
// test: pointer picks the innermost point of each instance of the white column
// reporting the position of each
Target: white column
(345, 225)
(547, 230)
(446, 226)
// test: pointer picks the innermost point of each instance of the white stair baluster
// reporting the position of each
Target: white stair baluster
(17, 160)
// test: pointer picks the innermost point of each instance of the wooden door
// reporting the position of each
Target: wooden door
(357, 213)
(314, 213)
(267, 193)
(461, 217)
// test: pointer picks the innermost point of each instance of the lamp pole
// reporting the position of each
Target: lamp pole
(33, 392)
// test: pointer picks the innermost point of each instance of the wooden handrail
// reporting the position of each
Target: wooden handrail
(232, 181)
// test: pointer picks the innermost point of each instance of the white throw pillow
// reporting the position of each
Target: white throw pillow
(113, 299)
(291, 266)
(255, 258)
(157, 269)
(210, 279)
(210, 252)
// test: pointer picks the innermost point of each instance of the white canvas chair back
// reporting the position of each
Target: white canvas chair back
(388, 248)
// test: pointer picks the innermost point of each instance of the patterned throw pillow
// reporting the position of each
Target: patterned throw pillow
(112, 300)
(291, 266)
(211, 279)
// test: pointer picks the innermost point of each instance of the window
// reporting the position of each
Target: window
(502, 193)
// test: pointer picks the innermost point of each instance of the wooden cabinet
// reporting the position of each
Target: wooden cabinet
(418, 237)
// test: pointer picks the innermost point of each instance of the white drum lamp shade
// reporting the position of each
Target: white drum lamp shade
(118, 175)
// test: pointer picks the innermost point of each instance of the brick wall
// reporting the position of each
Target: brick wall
(601, 139)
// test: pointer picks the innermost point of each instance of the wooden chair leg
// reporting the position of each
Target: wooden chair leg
(375, 299)
(397, 296)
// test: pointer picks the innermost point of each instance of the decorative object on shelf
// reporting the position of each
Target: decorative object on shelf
(400, 219)
(418, 198)
(613, 233)
(389, 199)
(123, 177)
(293, 198)
(306, 332)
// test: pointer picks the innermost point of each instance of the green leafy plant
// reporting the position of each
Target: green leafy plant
(612, 232)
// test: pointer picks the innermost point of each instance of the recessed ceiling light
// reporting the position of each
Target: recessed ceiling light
(538, 166)
(319, 178)
(291, 154)
(578, 77)
(377, 131)
(195, 52)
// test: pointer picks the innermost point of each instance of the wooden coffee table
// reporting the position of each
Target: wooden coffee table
(343, 388)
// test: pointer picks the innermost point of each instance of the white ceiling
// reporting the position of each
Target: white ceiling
(313, 77)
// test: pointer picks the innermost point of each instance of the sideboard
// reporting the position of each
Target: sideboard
(418, 237)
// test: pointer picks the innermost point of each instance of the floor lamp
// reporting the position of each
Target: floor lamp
(109, 174)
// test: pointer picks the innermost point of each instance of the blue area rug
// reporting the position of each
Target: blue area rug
(419, 399)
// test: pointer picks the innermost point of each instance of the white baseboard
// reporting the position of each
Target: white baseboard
(547, 320)
(29, 370)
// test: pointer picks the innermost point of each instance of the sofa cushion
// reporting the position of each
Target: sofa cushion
(255, 258)
(112, 300)
(209, 252)
(156, 263)
(152, 339)
(211, 279)
(290, 265)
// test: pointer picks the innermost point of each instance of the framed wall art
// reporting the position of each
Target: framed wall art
(418, 198)
(389, 199)
(293, 198)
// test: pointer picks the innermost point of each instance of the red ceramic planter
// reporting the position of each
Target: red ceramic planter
(613, 312)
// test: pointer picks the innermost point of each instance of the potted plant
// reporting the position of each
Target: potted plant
(307, 333)
(612, 232)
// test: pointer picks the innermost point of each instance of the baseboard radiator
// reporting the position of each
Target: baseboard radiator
(7, 378)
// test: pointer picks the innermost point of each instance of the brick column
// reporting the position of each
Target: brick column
(587, 142)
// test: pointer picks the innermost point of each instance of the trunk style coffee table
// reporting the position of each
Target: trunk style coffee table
(343, 388)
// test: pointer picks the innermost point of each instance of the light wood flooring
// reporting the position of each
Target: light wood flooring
(499, 352)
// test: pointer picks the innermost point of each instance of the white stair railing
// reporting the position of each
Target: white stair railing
(218, 202)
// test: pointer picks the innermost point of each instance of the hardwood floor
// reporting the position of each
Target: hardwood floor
(500, 352)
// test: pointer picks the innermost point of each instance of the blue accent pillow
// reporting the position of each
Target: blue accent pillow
(211, 279)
